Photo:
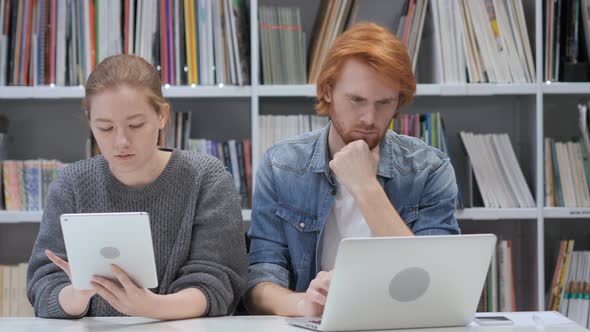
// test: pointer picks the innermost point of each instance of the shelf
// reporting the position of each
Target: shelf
(496, 214)
(77, 92)
(566, 88)
(566, 213)
(206, 91)
(300, 90)
(475, 89)
(421, 90)
(9, 217)
(41, 92)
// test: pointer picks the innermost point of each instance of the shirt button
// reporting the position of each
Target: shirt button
(333, 191)
(302, 225)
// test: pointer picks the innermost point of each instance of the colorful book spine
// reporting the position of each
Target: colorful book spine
(248, 168)
(33, 185)
(243, 189)
(52, 43)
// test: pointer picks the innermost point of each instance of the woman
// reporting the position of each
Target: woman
(194, 210)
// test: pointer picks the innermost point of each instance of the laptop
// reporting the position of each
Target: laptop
(405, 282)
(94, 241)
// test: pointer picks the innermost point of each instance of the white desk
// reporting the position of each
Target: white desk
(523, 323)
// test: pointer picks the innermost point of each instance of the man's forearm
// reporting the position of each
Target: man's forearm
(379, 213)
(267, 298)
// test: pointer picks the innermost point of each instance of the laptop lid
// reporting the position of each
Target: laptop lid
(407, 282)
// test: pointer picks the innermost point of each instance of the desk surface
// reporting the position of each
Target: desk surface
(523, 323)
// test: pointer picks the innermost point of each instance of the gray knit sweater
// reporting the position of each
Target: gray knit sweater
(196, 227)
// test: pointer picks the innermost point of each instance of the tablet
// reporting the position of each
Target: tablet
(94, 241)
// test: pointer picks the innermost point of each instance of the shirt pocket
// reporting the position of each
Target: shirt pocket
(301, 220)
(409, 214)
(301, 232)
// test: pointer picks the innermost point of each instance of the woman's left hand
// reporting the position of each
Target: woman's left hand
(128, 299)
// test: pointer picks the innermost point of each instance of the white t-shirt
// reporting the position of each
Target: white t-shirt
(345, 220)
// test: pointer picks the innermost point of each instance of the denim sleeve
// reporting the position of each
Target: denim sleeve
(269, 257)
(436, 210)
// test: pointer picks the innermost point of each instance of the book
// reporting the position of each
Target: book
(499, 177)
(13, 293)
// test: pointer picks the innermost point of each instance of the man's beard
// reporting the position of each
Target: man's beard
(348, 137)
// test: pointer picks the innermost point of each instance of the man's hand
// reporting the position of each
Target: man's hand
(313, 302)
(355, 165)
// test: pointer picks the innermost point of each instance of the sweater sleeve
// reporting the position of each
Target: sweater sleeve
(217, 263)
(45, 280)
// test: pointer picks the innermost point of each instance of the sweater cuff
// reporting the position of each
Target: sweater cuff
(54, 308)
(207, 298)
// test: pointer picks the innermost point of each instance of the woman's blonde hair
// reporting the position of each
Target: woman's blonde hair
(131, 71)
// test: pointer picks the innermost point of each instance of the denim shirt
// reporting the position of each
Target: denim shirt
(295, 193)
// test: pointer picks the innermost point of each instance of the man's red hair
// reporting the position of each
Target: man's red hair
(378, 48)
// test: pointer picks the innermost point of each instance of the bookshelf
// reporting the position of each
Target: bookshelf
(46, 122)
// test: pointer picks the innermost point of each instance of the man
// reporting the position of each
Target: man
(352, 178)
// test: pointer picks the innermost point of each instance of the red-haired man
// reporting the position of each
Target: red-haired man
(353, 178)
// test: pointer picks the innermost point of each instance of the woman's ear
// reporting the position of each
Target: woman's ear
(327, 93)
(164, 115)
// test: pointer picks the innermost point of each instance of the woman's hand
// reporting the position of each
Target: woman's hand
(73, 301)
(127, 298)
(65, 266)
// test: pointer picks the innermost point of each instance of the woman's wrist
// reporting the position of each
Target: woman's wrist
(74, 302)
(188, 303)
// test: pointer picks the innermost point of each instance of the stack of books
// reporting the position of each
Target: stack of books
(60, 42)
(498, 174)
(481, 41)
(26, 183)
(282, 45)
(499, 291)
(13, 291)
(276, 128)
